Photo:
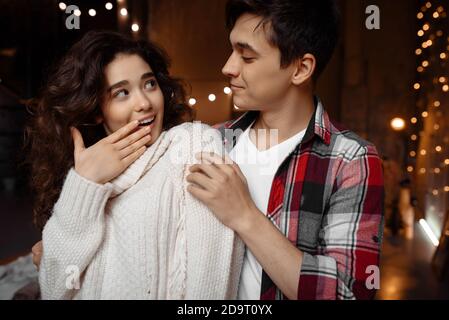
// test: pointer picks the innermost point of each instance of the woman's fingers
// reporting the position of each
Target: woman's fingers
(78, 141)
(127, 161)
(37, 254)
(132, 138)
(122, 132)
(135, 146)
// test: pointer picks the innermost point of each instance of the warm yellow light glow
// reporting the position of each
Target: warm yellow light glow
(437, 170)
(446, 161)
(443, 55)
(422, 170)
(418, 51)
(92, 12)
(227, 90)
(108, 6)
(425, 114)
(414, 137)
(192, 101)
(428, 5)
(420, 69)
(123, 12)
(416, 86)
(413, 120)
(397, 124)
(420, 15)
(435, 192)
(446, 189)
(446, 88)
(62, 6)
(409, 169)
(442, 79)
(436, 126)
(436, 104)
(429, 232)
(423, 152)
(420, 33)
(77, 12)
(435, 15)
(412, 154)
(212, 97)
(135, 27)
(440, 9)
(425, 27)
(438, 148)
(425, 63)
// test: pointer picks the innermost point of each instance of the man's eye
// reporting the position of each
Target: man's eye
(150, 84)
(120, 94)
(248, 59)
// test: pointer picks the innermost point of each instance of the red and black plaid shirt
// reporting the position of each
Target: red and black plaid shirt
(327, 199)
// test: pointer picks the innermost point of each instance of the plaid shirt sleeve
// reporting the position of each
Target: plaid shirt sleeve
(347, 258)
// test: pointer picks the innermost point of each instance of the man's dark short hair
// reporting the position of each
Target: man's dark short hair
(297, 26)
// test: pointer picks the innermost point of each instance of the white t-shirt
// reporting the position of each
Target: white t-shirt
(259, 168)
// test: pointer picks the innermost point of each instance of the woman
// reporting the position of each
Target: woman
(120, 222)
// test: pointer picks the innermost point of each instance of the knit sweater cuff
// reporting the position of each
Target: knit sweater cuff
(81, 201)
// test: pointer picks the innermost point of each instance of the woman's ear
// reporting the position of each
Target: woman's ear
(305, 67)
(99, 119)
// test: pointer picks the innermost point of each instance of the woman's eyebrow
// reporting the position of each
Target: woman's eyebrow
(147, 75)
(118, 84)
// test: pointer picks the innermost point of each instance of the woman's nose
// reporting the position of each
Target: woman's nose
(142, 102)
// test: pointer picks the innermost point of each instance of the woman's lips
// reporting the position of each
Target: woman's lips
(146, 123)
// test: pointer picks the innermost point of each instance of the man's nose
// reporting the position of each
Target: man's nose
(231, 68)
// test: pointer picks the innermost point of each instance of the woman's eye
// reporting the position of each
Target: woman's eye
(150, 84)
(120, 94)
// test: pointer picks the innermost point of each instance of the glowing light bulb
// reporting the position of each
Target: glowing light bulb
(135, 27)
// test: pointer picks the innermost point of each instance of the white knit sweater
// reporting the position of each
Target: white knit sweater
(142, 235)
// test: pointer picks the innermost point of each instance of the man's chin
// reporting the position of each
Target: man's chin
(244, 107)
(241, 105)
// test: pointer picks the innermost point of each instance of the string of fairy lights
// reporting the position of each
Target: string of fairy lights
(428, 158)
(121, 9)
(124, 14)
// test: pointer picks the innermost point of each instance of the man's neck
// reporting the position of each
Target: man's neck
(288, 119)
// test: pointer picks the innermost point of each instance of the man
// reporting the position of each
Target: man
(312, 222)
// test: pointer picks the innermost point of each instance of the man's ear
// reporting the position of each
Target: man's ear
(305, 67)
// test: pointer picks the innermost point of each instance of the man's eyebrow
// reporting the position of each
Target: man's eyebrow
(246, 46)
(125, 82)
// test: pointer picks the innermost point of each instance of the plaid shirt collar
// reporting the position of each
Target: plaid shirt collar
(319, 124)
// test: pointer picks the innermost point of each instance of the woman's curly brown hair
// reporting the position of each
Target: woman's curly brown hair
(72, 97)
